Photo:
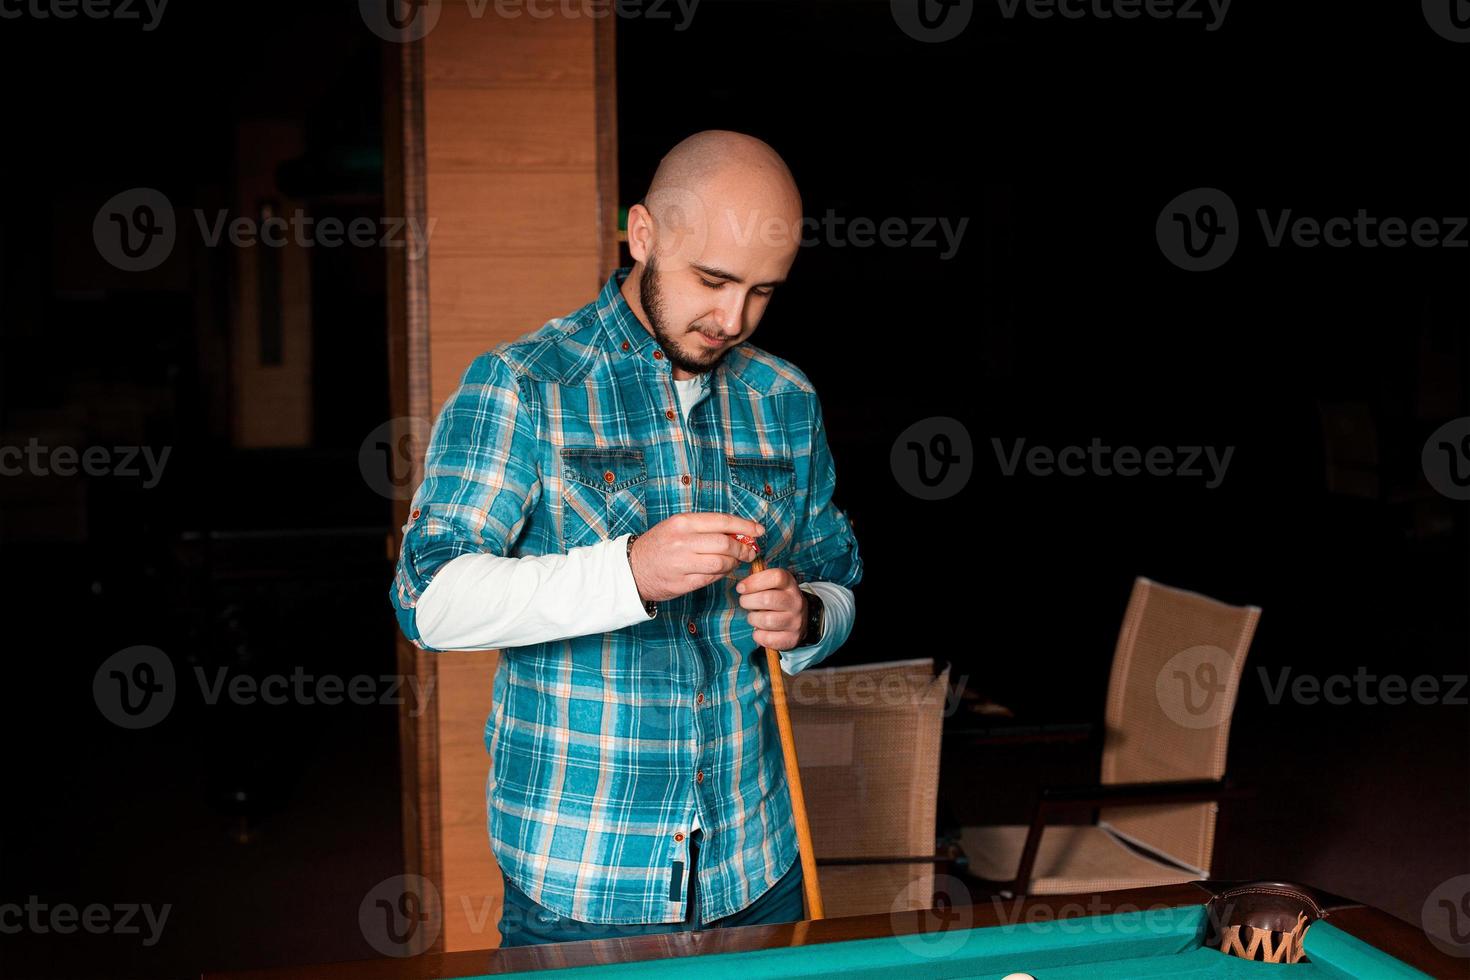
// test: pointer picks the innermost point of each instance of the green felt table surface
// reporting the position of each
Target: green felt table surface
(1163, 942)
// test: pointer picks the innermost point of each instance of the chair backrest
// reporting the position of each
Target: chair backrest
(867, 740)
(1171, 695)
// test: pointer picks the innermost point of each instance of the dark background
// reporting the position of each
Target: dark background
(1059, 320)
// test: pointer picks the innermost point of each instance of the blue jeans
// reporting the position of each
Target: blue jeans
(525, 923)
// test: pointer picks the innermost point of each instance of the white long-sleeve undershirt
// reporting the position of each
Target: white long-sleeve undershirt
(482, 601)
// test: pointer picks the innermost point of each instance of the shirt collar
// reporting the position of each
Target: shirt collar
(625, 335)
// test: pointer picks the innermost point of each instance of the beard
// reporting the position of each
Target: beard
(651, 297)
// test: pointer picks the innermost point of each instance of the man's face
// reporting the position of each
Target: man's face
(700, 307)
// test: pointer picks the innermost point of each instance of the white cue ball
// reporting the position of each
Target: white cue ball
(1018, 976)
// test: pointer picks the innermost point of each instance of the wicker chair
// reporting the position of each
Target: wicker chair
(1171, 695)
(867, 739)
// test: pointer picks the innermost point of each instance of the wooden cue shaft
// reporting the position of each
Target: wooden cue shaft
(809, 883)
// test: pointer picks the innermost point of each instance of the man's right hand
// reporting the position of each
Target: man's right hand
(689, 551)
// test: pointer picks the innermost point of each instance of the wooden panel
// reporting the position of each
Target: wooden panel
(528, 52)
(512, 213)
(509, 152)
(472, 885)
(542, 130)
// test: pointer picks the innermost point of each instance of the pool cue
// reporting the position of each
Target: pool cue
(809, 884)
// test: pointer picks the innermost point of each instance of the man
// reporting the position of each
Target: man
(581, 492)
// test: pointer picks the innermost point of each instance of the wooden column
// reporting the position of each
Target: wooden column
(502, 134)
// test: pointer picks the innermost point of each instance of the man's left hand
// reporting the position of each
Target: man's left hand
(775, 607)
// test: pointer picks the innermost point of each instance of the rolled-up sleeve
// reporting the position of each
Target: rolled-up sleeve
(481, 483)
(825, 549)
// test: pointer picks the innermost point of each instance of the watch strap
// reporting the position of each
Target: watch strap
(649, 606)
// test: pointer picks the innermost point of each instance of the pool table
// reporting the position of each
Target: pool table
(1137, 933)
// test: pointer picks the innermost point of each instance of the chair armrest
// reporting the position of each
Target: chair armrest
(1061, 799)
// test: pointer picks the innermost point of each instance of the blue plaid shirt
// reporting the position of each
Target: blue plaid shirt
(605, 747)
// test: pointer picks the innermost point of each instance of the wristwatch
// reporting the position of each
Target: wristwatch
(815, 613)
(649, 606)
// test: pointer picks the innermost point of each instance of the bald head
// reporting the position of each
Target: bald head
(715, 235)
(727, 169)
(721, 186)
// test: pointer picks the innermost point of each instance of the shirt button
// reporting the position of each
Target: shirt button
(610, 477)
(693, 630)
(669, 414)
(699, 776)
(658, 355)
(626, 345)
(699, 698)
(768, 489)
(415, 515)
(678, 838)
(684, 479)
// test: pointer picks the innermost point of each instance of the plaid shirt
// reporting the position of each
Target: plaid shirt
(603, 748)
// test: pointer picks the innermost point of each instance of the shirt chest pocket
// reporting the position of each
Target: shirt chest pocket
(602, 494)
(763, 489)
